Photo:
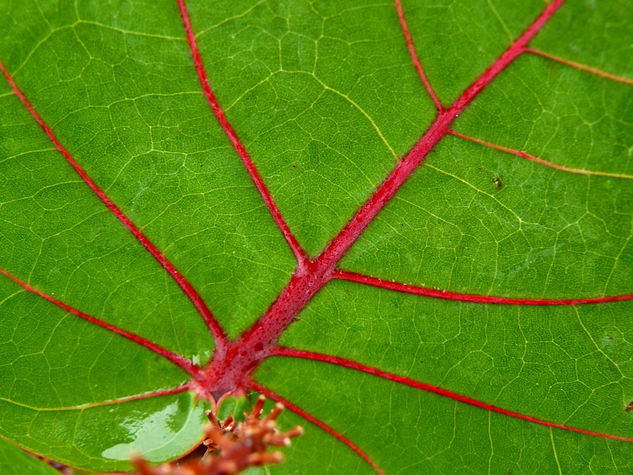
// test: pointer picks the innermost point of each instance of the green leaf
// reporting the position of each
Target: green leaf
(430, 266)
(14, 461)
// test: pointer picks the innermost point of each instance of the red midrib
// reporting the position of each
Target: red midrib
(305, 283)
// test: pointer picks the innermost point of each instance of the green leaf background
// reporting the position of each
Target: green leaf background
(326, 99)
(14, 461)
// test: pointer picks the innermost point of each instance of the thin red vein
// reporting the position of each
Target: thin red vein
(299, 253)
(580, 66)
(139, 397)
(113, 402)
(522, 154)
(215, 328)
(178, 360)
(414, 56)
(292, 353)
(487, 299)
(297, 410)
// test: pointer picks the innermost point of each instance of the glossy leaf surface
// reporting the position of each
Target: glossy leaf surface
(411, 222)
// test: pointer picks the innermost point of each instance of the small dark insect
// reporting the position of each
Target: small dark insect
(629, 407)
(497, 181)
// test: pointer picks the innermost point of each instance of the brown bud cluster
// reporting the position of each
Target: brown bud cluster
(233, 446)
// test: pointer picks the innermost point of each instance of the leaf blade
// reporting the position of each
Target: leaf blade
(499, 210)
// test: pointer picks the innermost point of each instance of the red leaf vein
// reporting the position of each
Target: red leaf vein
(532, 158)
(309, 355)
(580, 66)
(296, 248)
(305, 283)
(414, 56)
(474, 298)
(178, 360)
(234, 361)
(307, 416)
(216, 331)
